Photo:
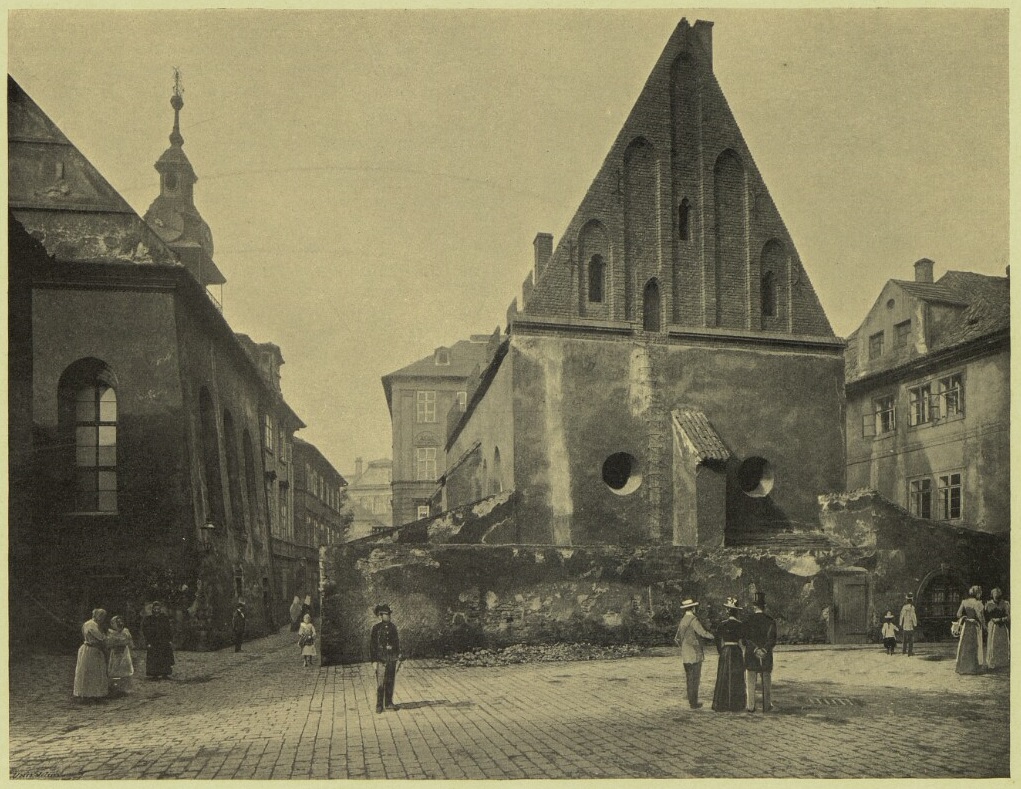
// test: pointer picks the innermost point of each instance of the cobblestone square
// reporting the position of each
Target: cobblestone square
(841, 713)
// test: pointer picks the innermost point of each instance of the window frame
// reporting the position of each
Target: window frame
(917, 488)
(875, 424)
(425, 406)
(103, 475)
(902, 334)
(945, 492)
(596, 280)
(423, 456)
(873, 344)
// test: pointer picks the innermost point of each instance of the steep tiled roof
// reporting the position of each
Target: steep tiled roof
(931, 291)
(695, 425)
(464, 357)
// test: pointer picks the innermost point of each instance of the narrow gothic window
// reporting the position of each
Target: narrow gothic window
(651, 307)
(768, 294)
(88, 404)
(596, 273)
(683, 219)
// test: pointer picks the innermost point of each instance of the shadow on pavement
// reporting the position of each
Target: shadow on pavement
(414, 705)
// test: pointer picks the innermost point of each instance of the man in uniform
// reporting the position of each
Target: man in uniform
(690, 633)
(759, 640)
(385, 653)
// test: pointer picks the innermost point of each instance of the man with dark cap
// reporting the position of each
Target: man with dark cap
(759, 639)
(237, 625)
(908, 623)
(385, 654)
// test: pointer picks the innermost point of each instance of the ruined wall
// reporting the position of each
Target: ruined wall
(449, 593)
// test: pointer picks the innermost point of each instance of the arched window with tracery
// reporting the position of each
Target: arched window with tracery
(88, 419)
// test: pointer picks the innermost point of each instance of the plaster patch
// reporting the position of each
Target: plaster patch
(612, 619)
(566, 553)
(486, 506)
(639, 382)
(491, 599)
(804, 566)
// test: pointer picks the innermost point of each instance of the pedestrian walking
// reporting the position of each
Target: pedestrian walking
(295, 612)
(307, 639)
(729, 694)
(91, 681)
(158, 632)
(759, 640)
(690, 633)
(238, 623)
(971, 622)
(889, 633)
(120, 667)
(908, 623)
(385, 653)
(306, 607)
(997, 613)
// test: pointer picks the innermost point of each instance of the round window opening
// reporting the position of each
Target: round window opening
(620, 473)
(755, 476)
(891, 304)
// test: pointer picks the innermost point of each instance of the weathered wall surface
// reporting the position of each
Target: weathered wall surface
(576, 401)
(976, 444)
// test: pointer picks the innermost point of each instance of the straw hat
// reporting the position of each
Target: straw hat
(688, 603)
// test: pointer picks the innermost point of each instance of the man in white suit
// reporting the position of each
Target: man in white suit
(690, 633)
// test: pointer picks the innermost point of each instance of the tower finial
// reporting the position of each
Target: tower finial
(177, 102)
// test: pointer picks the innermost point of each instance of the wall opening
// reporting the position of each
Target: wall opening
(651, 307)
(755, 476)
(621, 474)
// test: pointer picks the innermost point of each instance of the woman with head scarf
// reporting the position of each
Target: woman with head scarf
(91, 681)
(971, 621)
(730, 694)
(998, 619)
(295, 612)
(120, 667)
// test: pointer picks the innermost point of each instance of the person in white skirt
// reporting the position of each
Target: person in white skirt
(307, 639)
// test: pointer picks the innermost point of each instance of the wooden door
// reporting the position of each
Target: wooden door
(849, 615)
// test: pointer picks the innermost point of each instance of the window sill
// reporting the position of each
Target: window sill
(91, 514)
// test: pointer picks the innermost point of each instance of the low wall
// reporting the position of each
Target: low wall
(451, 596)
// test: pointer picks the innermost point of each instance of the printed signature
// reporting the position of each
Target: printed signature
(16, 774)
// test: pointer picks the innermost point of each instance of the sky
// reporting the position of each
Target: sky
(374, 179)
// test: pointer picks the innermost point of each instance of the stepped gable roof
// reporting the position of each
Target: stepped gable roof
(700, 433)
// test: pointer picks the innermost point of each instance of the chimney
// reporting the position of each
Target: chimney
(543, 252)
(923, 270)
(358, 467)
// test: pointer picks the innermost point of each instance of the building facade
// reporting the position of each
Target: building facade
(928, 398)
(420, 398)
(137, 459)
(670, 375)
(370, 495)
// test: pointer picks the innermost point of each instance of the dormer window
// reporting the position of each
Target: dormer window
(442, 356)
(876, 345)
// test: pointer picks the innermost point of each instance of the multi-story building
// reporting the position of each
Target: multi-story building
(322, 513)
(420, 397)
(136, 411)
(670, 376)
(369, 492)
(928, 398)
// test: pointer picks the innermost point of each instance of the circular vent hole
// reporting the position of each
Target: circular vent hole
(620, 473)
(755, 476)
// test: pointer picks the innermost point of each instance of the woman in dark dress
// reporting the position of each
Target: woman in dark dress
(729, 695)
(157, 630)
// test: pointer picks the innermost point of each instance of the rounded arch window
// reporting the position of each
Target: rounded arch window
(621, 473)
(755, 476)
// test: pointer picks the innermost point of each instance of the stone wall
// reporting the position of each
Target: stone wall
(450, 591)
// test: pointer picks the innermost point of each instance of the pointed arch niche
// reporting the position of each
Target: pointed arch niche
(774, 287)
(595, 291)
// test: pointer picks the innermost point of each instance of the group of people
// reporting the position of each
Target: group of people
(908, 625)
(105, 664)
(983, 632)
(745, 644)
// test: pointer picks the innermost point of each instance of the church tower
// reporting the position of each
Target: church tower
(173, 214)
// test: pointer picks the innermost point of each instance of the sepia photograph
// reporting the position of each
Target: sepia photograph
(509, 393)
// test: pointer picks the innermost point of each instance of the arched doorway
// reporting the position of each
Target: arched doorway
(937, 600)
(651, 306)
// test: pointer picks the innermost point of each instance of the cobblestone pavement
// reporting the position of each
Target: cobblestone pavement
(259, 714)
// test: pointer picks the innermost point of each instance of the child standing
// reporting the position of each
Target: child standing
(889, 633)
(307, 639)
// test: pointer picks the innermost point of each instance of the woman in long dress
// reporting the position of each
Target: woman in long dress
(121, 667)
(729, 694)
(158, 631)
(998, 624)
(307, 639)
(295, 612)
(90, 678)
(970, 614)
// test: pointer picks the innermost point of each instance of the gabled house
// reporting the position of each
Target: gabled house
(928, 398)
